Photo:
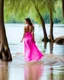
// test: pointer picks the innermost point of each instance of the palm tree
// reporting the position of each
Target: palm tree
(4, 48)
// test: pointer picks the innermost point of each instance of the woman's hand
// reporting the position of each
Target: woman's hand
(34, 41)
(21, 40)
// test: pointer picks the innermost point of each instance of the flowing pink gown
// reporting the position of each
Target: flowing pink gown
(31, 52)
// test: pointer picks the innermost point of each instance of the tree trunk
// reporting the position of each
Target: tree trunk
(63, 8)
(4, 48)
(45, 39)
(44, 29)
(51, 28)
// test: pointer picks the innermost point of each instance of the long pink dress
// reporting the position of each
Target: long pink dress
(31, 52)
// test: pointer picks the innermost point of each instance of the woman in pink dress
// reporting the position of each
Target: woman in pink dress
(31, 52)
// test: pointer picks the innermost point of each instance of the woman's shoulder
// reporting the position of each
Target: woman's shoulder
(25, 28)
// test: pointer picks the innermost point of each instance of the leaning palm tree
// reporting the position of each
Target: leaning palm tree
(4, 48)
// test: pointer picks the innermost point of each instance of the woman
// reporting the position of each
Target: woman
(31, 52)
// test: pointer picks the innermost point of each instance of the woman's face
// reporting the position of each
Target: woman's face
(26, 22)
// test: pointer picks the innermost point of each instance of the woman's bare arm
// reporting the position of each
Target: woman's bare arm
(23, 34)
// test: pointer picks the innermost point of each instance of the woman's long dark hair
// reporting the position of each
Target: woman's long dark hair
(29, 21)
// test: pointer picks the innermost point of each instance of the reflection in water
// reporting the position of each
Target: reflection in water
(33, 71)
(45, 45)
(56, 73)
(3, 71)
(51, 73)
(51, 47)
(59, 73)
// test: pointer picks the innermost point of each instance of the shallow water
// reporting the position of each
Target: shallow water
(51, 67)
(15, 32)
(31, 71)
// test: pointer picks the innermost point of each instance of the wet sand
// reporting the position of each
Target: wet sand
(51, 67)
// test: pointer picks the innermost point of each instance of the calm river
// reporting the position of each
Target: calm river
(51, 69)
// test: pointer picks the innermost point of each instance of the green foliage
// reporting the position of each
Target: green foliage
(18, 10)
(58, 12)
